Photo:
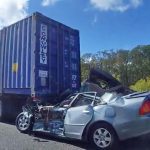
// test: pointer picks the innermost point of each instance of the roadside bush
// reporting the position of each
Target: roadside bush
(141, 85)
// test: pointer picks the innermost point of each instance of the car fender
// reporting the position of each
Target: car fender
(101, 115)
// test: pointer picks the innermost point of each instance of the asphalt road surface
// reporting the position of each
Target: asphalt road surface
(11, 139)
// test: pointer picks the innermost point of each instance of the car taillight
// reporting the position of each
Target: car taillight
(145, 108)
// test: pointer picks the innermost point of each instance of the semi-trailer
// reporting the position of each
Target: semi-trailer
(39, 57)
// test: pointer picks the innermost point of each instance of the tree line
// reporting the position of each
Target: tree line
(130, 67)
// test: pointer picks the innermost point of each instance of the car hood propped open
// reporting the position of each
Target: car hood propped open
(102, 75)
(97, 75)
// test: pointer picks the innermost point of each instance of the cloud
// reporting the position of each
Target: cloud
(95, 19)
(49, 2)
(115, 5)
(12, 11)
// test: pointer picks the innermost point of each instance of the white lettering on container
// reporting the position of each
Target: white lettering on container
(72, 41)
(74, 81)
(43, 44)
(43, 73)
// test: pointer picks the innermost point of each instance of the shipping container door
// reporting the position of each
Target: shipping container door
(66, 59)
(75, 60)
(70, 60)
(41, 55)
(54, 58)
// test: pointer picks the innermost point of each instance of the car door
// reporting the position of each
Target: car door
(77, 117)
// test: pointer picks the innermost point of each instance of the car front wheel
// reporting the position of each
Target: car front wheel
(103, 137)
(23, 123)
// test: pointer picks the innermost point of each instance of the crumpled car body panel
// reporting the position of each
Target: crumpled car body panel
(115, 105)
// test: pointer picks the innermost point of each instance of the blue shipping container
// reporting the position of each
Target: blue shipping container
(39, 56)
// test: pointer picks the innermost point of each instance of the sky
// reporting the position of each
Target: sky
(103, 24)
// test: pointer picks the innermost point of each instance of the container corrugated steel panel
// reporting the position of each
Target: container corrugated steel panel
(40, 56)
(2, 37)
(17, 55)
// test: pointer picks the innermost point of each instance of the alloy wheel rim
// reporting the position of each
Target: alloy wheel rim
(23, 122)
(102, 138)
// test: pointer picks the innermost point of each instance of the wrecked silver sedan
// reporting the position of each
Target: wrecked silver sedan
(104, 116)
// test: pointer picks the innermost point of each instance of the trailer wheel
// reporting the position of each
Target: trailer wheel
(24, 123)
(1, 110)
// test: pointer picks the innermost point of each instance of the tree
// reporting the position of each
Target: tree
(128, 66)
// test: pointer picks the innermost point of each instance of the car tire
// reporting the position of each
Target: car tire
(23, 123)
(103, 137)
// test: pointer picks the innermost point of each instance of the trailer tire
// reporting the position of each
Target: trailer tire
(1, 110)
